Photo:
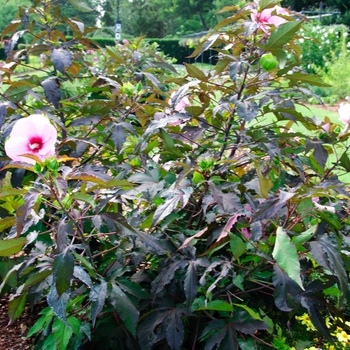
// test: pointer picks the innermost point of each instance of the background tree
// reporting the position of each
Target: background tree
(10, 8)
(326, 6)
(89, 18)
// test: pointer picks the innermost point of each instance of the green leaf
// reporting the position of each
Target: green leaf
(83, 197)
(195, 72)
(7, 222)
(6, 192)
(251, 312)
(16, 307)
(114, 52)
(311, 79)
(12, 246)
(237, 246)
(80, 5)
(63, 267)
(217, 305)
(286, 256)
(86, 263)
(304, 237)
(37, 278)
(41, 324)
(125, 308)
(62, 333)
(263, 4)
(284, 33)
(345, 161)
(169, 144)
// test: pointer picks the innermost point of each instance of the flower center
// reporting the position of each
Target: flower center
(35, 144)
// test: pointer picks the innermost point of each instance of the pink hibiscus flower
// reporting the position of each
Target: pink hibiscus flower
(269, 17)
(32, 135)
(344, 113)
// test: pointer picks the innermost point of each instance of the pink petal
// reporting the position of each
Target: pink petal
(344, 113)
(15, 146)
(276, 21)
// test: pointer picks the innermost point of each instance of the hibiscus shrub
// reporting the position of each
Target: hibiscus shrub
(151, 210)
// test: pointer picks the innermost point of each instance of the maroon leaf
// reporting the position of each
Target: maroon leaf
(52, 91)
(61, 59)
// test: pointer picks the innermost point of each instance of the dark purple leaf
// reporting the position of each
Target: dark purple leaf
(191, 282)
(52, 91)
(166, 275)
(320, 153)
(11, 43)
(118, 137)
(233, 70)
(327, 255)
(174, 328)
(146, 330)
(247, 111)
(155, 82)
(285, 289)
(25, 216)
(118, 222)
(219, 335)
(229, 203)
(82, 275)
(57, 303)
(125, 308)
(316, 318)
(61, 59)
(98, 296)
(3, 112)
(270, 207)
(244, 323)
(63, 230)
(63, 268)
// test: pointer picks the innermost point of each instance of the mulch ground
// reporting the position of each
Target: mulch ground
(13, 337)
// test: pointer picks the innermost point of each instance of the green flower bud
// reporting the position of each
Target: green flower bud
(268, 61)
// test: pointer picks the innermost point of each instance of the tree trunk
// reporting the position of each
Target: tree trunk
(204, 25)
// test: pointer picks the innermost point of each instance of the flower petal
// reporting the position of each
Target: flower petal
(15, 146)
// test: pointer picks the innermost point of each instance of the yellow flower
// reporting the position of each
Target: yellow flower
(305, 320)
(343, 337)
(328, 322)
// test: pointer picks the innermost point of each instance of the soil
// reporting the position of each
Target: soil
(13, 337)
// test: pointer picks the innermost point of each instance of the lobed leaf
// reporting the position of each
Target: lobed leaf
(126, 309)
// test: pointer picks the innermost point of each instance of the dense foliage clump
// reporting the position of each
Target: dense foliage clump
(175, 211)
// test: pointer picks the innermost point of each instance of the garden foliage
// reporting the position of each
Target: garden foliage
(200, 221)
